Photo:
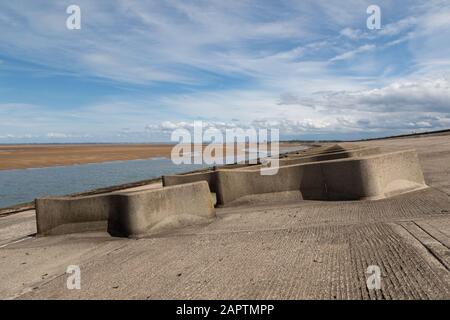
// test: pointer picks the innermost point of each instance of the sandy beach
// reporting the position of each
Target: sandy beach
(37, 156)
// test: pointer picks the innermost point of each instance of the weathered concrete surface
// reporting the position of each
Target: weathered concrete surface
(210, 176)
(125, 213)
(366, 175)
(351, 153)
(147, 212)
(324, 149)
(292, 250)
(17, 226)
(315, 156)
(61, 215)
(75, 214)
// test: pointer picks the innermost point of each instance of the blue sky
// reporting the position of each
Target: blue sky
(139, 69)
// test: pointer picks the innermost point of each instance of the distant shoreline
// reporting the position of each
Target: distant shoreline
(13, 157)
(308, 141)
(36, 155)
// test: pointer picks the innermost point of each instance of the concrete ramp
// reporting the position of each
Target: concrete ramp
(126, 214)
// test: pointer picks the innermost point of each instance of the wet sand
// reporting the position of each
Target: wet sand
(35, 156)
(38, 156)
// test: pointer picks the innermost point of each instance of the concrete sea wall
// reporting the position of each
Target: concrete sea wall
(333, 173)
(373, 176)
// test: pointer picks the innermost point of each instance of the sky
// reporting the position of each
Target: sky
(137, 70)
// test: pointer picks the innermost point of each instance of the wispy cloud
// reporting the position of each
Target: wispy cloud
(350, 54)
(138, 64)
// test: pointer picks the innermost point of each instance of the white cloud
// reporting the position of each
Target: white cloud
(353, 34)
(392, 29)
(426, 95)
(395, 28)
(350, 54)
(284, 125)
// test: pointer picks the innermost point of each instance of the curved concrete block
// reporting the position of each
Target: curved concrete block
(139, 212)
(60, 215)
(209, 176)
(356, 153)
(321, 150)
(232, 184)
(372, 177)
(362, 152)
(125, 214)
(235, 184)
